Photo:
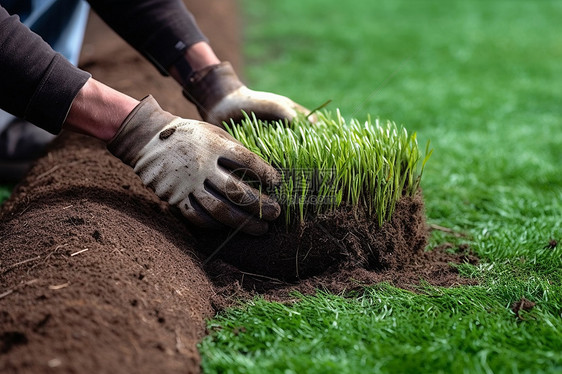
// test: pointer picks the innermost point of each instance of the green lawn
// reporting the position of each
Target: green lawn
(5, 191)
(481, 79)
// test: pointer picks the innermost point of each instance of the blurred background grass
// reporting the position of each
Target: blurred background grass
(481, 79)
(5, 191)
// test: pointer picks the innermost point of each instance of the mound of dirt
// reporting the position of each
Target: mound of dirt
(98, 275)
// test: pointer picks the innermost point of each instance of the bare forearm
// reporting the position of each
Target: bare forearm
(99, 110)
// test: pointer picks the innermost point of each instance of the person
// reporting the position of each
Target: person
(191, 164)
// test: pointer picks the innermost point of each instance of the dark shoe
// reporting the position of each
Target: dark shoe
(21, 143)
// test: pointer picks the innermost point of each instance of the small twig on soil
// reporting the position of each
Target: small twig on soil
(53, 169)
(77, 253)
(11, 291)
(20, 263)
(4, 294)
(54, 251)
(264, 276)
(456, 234)
(24, 209)
(59, 286)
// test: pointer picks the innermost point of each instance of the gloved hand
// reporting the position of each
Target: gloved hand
(191, 164)
(220, 96)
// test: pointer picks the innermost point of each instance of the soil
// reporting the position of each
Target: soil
(330, 243)
(98, 275)
(337, 253)
(522, 305)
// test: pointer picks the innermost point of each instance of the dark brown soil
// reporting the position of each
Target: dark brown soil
(522, 305)
(336, 253)
(98, 275)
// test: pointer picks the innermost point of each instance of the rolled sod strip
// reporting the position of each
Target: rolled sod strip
(96, 274)
(331, 163)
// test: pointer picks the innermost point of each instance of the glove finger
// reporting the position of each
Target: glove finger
(243, 161)
(235, 189)
(195, 213)
(229, 215)
(269, 106)
(265, 106)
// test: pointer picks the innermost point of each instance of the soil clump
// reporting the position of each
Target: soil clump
(522, 305)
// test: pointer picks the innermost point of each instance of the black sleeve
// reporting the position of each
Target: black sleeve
(159, 29)
(36, 83)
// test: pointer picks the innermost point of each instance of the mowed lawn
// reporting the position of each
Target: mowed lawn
(482, 80)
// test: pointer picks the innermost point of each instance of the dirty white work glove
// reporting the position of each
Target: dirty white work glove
(220, 96)
(195, 166)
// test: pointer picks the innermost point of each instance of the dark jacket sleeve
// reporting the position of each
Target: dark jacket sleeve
(36, 83)
(159, 29)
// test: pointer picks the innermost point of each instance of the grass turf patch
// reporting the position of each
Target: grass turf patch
(349, 196)
(478, 78)
(367, 166)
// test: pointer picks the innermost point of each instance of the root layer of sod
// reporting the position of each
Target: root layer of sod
(337, 252)
(331, 242)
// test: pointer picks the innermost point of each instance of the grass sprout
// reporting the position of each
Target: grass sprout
(336, 162)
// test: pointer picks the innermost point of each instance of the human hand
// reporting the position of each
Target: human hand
(220, 96)
(192, 165)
